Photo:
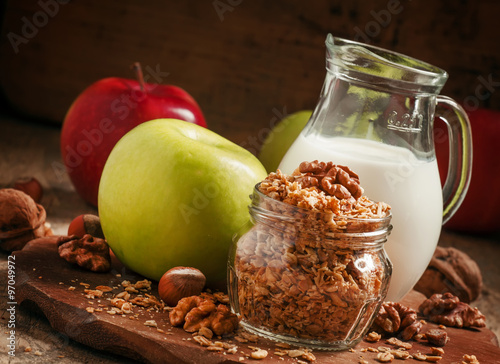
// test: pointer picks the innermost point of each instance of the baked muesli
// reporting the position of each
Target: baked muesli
(311, 269)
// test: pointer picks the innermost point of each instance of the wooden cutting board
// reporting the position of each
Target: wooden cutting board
(44, 278)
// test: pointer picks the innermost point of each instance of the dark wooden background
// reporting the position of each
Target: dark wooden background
(245, 62)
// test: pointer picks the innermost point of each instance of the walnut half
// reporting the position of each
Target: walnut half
(88, 252)
(446, 309)
(336, 180)
(396, 319)
(196, 312)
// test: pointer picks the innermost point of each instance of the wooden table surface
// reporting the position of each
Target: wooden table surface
(30, 149)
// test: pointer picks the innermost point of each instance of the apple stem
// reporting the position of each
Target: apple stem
(138, 73)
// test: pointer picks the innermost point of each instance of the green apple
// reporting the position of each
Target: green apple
(281, 138)
(174, 193)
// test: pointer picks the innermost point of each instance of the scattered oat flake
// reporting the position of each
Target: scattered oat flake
(295, 353)
(385, 357)
(38, 353)
(258, 354)
(373, 337)
(215, 348)
(401, 354)
(206, 332)
(104, 288)
(420, 356)
(71, 288)
(27, 350)
(151, 323)
(469, 359)
(433, 358)
(308, 356)
(437, 351)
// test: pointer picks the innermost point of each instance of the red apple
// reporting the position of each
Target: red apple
(479, 212)
(106, 111)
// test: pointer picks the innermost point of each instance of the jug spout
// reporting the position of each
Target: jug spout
(382, 68)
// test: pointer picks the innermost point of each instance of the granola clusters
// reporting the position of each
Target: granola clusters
(302, 271)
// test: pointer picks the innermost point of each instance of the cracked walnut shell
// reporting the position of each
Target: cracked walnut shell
(451, 270)
(88, 252)
(21, 219)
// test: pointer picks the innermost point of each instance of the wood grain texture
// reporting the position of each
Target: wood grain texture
(246, 62)
(43, 279)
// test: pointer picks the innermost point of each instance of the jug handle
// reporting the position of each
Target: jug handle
(460, 156)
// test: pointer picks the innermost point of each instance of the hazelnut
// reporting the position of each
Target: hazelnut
(30, 186)
(180, 282)
(86, 224)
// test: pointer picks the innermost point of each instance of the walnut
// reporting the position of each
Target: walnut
(396, 319)
(451, 270)
(195, 313)
(224, 321)
(446, 309)
(21, 219)
(436, 337)
(88, 252)
(336, 180)
(199, 316)
(180, 311)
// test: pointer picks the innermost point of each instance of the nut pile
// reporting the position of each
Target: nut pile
(395, 321)
(291, 280)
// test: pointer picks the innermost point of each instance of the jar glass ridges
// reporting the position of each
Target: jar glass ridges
(308, 278)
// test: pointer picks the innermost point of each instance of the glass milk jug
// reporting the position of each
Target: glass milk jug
(375, 115)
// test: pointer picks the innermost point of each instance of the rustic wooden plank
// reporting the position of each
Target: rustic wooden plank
(44, 279)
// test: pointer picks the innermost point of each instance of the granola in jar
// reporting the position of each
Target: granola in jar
(310, 270)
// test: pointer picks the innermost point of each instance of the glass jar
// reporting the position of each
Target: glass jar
(308, 278)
